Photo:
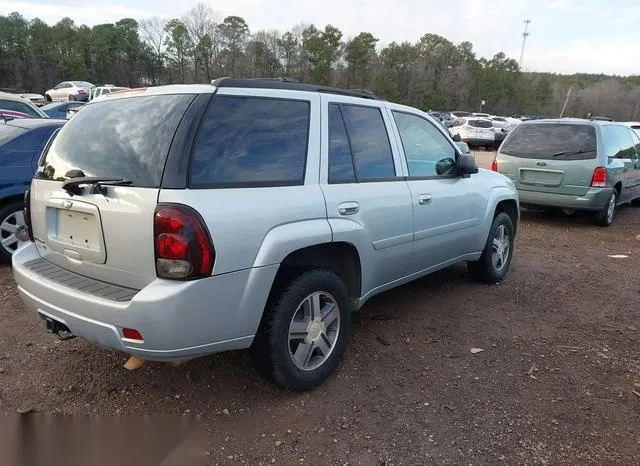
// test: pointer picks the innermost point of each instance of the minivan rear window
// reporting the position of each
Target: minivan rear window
(480, 123)
(552, 141)
(120, 138)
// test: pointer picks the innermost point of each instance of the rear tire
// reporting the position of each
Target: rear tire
(10, 218)
(494, 262)
(636, 202)
(311, 316)
(71, 98)
(605, 217)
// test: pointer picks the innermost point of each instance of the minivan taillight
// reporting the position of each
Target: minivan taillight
(26, 211)
(183, 248)
(494, 165)
(599, 178)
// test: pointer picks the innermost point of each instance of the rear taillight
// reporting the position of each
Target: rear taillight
(81, 91)
(182, 245)
(494, 165)
(26, 211)
(599, 178)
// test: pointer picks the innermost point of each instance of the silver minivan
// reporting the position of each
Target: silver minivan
(573, 164)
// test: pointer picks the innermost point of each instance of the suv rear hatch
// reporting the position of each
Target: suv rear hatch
(105, 230)
(481, 129)
(551, 157)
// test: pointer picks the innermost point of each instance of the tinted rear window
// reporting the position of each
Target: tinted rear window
(480, 124)
(552, 141)
(251, 141)
(9, 133)
(123, 138)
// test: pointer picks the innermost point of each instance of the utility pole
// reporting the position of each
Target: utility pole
(566, 101)
(525, 34)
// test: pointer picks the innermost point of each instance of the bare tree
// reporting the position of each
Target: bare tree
(153, 32)
(202, 23)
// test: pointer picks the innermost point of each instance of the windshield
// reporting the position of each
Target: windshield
(551, 141)
(481, 123)
(132, 143)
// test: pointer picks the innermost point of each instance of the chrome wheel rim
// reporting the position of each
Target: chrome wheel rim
(500, 248)
(612, 207)
(8, 228)
(314, 330)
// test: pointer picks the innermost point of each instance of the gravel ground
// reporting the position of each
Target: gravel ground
(554, 383)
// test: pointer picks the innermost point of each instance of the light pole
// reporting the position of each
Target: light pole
(482, 102)
(525, 34)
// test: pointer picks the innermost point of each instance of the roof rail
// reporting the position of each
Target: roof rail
(290, 84)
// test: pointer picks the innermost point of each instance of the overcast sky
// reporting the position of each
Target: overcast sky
(567, 36)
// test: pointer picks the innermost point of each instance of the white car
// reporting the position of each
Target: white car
(69, 90)
(102, 90)
(13, 106)
(635, 126)
(474, 131)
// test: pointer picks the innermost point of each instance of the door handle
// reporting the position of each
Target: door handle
(348, 208)
(425, 199)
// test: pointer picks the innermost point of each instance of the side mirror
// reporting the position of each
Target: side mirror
(457, 138)
(464, 147)
(466, 165)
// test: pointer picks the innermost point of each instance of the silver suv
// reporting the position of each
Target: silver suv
(249, 214)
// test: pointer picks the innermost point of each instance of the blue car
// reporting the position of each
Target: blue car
(59, 109)
(21, 143)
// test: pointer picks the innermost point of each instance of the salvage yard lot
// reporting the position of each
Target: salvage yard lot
(553, 384)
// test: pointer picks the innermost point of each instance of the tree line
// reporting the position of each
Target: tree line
(431, 73)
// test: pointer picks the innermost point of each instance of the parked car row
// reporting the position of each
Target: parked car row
(261, 213)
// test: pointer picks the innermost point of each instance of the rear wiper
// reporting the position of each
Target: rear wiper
(572, 152)
(72, 184)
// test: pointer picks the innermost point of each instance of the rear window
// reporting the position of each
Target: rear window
(480, 123)
(123, 138)
(18, 107)
(552, 141)
(9, 133)
(251, 141)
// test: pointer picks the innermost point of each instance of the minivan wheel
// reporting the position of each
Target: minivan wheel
(304, 333)
(11, 217)
(605, 217)
(494, 262)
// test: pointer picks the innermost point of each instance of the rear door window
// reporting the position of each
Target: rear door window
(626, 143)
(552, 141)
(369, 142)
(251, 141)
(132, 141)
(341, 168)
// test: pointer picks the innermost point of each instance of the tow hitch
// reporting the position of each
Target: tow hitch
(60, 329)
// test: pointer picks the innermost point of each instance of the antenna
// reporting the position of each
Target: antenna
(525, 34)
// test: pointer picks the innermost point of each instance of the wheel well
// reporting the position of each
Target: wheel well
(618, 187)
(510, 208)
(340, 258)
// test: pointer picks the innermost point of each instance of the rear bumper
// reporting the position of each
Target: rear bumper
(177, 320)
(594, 199)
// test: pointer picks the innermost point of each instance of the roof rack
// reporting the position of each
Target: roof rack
(290, 84)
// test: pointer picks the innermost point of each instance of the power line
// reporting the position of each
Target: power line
(525, 34)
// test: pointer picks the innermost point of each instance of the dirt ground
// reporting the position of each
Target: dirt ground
(554, 383)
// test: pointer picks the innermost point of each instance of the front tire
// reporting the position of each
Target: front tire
(11, 217)
(494, 262)
(605, 217)
(47, 97)
(303, 336)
